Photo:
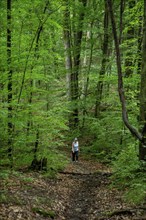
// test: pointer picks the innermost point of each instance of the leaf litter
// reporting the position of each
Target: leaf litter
(80, 192)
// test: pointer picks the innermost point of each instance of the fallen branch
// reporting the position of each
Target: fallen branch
(122, 212)
(139, 218)
(74, 173)
(95, 173)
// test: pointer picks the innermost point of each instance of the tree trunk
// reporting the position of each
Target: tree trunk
(10, 73)
(36, 56)
(122, 6)
(129, 54)
(104, 62)
(37, 164)
(68, 58)
(73, 60)
(139, 48)
(87, 75)
(36, 37)
(142, 147)
(133, 130)
(77, 54)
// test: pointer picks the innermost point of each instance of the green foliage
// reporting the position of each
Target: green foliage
(40, 108)
(4, 174)
(136, 191)
(105, 136)
(37, 83)
(56, 162)
(128, 175)
(126, 164)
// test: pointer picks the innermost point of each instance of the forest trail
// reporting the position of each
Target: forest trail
(80, 192)
(89, 197)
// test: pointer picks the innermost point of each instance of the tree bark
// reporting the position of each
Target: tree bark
(88, 73)
(68, 59)
(129, 54)
(10, 73)
(68, 55)
(73, 59)
(99, 88)
(38, 164)
(77, 44)
(122, 6)
(139, 48)
(142, 147)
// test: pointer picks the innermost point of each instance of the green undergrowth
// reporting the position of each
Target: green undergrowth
(56, 161)
(94, 153)
(129, 175)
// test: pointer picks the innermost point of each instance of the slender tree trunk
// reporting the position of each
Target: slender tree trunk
(142, 147)
(73, 59)
(36, 57)
(122, 6)
(99, 88)
(139, 48)
(133, 130)
(68, 58)
(87, 75)
(68, 63)
(36, 37)
(77, 54)
(68, 55)
(10, 73)
(129, 54)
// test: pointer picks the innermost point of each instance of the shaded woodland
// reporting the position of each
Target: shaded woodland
(74, 68)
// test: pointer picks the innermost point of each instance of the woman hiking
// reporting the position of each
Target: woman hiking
(75, 150)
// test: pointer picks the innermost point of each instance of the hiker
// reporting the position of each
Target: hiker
(75, 150)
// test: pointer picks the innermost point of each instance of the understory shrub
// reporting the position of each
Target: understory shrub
(129, 175)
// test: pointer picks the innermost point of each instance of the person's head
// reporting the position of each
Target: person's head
(76, 140)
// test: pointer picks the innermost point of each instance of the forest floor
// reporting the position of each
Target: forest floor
(81, 192)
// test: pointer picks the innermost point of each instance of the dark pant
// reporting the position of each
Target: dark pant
(75, 156)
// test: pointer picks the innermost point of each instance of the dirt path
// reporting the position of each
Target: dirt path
(83, 202)
(89, 197)
(80, 192)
